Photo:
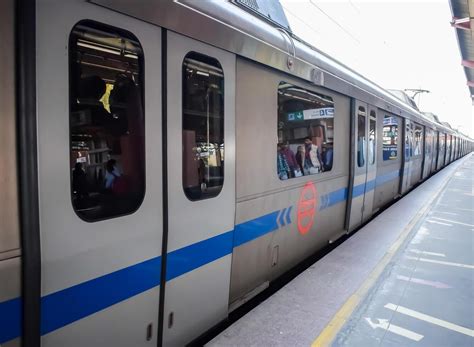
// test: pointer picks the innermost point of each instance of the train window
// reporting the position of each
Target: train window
(390, 137)
(361, 137)
(106, 119)
(417, 139)
(305, 132)
(442, 144)
(371, 145)
(203, 126)
(448, 147)
(429, 141)
(408, 140)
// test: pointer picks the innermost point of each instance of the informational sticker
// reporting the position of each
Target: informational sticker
(307, 208)
(316, 113)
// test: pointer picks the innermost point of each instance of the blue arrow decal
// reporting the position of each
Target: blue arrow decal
(288, 216)
(282, 218)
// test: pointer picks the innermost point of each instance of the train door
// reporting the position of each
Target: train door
(99, 168)
(371, 165)
(408, 153)
(201, 187)
(360, 164)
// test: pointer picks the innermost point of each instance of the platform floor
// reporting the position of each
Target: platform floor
(406, 278)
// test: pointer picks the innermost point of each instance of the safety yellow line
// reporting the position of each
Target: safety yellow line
(341, 317)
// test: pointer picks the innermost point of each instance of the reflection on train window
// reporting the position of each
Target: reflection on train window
(305, 132)
(203, 126)
(361, 145)
(371, 144)
(417, 139)
(390, 137)
(429, 141)
(450, 137)
(442, 146)
(107, 126)
(408, 140)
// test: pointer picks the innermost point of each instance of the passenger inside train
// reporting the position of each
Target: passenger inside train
(305, 132)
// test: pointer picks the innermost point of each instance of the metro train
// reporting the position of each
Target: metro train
(163, 161)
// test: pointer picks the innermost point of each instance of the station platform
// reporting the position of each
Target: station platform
(404, 279)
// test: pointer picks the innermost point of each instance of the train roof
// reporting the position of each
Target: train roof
(229, 27)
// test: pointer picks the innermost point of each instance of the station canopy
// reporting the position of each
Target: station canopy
(462, 21)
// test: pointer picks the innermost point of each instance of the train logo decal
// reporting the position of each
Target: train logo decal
(306, 208)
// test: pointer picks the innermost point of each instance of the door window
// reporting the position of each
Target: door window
(203, 126)
(106, 121)
(361, 140)
(390, 137)
(372, 136)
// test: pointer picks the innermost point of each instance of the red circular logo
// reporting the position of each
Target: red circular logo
(306, 208)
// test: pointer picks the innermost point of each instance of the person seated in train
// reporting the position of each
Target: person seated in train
(291, 160)
(312, 157)
(283, 168)
(300, 155)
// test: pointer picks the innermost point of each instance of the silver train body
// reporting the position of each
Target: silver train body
(174, 267)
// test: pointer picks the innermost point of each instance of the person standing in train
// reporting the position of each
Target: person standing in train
(291, 160)
(312, 159)
(300, 155)
(283, 169)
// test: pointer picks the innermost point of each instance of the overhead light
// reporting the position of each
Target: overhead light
(133, 56)
(202, 73)
(98, 48)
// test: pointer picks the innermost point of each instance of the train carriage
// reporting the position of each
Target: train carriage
(145, 192)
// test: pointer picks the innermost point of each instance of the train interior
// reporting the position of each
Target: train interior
(106, 121)
(302, 115)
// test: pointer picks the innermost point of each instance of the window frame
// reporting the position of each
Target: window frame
(72, 79)
(321, 93)
(361, 114)
(219, 66)
(417, 126)
(396, 137)
(372, 119)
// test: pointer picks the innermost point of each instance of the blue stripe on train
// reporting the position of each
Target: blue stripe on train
(74, 303)
(69, 305)
(79, 301)
(10, 320)
(186, 259)
(252, 229)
